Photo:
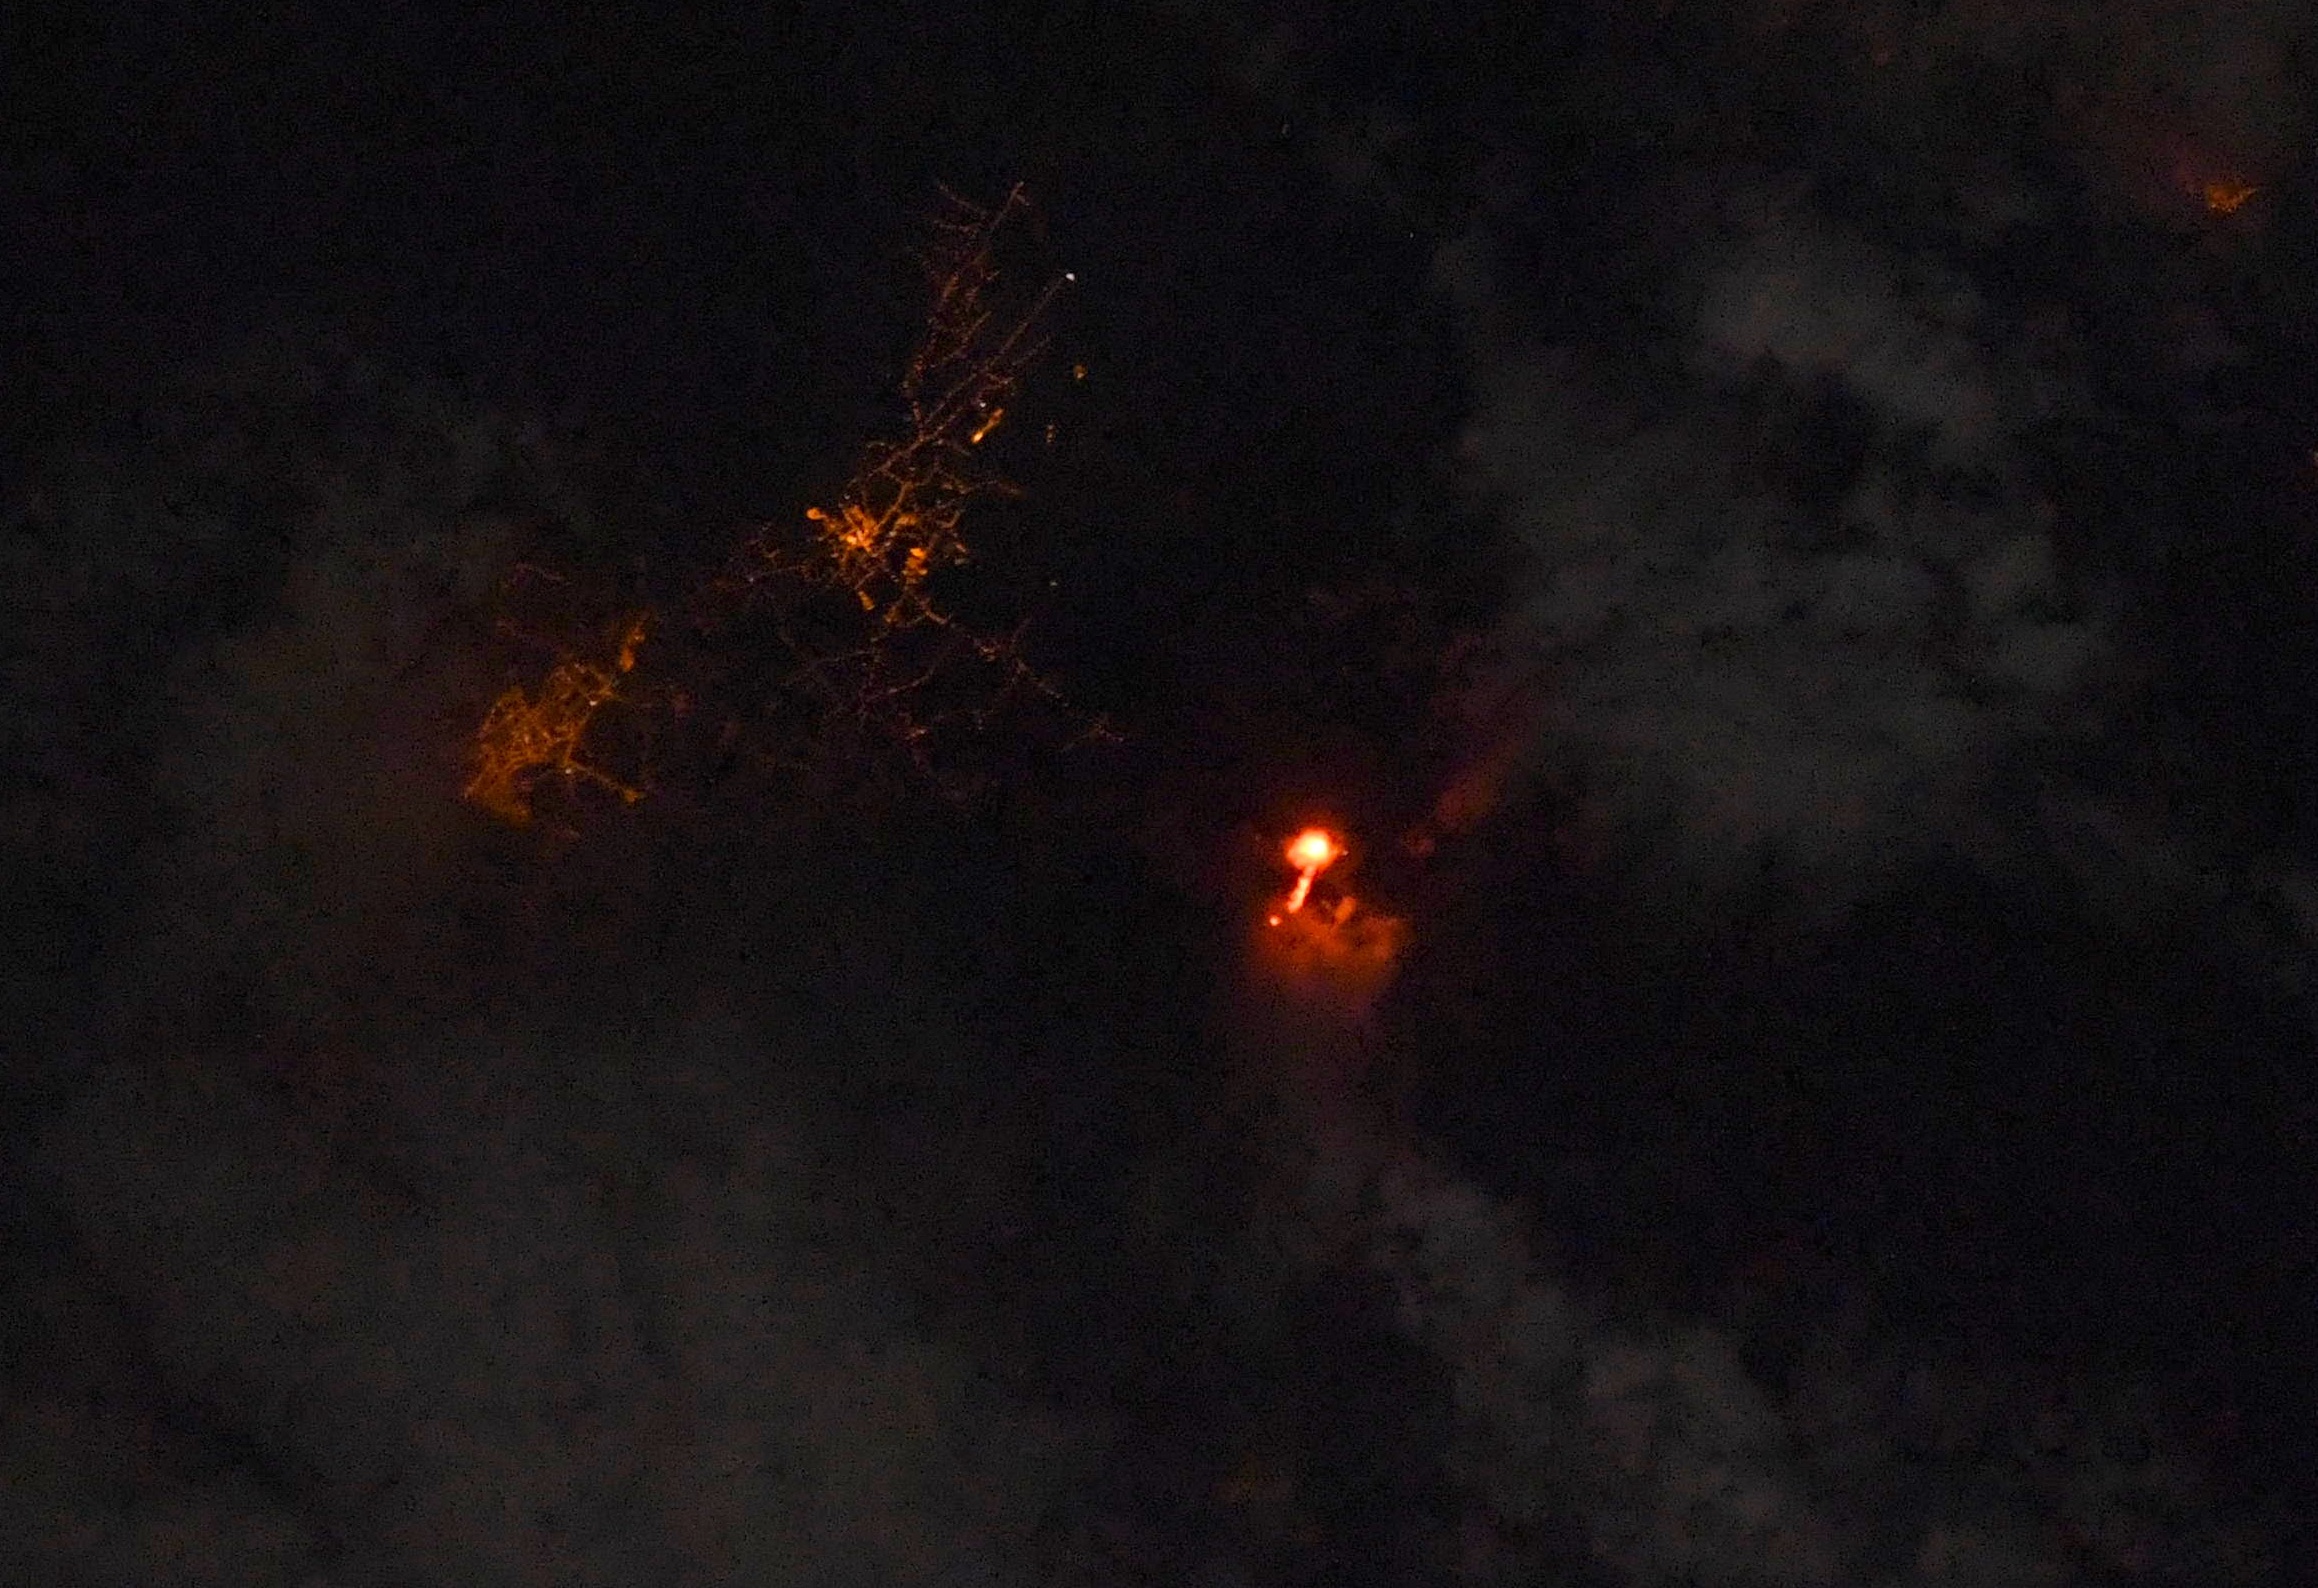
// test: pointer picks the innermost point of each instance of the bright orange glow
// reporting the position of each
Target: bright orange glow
(2225, 196)
(1311, 852)
(1338, 951)
(1311, 849)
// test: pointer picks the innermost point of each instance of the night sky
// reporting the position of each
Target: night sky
(1777, 538)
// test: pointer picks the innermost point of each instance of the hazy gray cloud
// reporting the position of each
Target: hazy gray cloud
(461, 1288)
(1650, 1442)
(1815, 303)
(1733, 679)
(578, 1356)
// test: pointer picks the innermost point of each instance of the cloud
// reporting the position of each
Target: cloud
(1731, 680)
(1812, 302)
(577, 1356)
(452, 1278)
(2151, 97)
(1585, 1432)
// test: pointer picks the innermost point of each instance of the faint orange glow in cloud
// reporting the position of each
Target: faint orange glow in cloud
(2226, 195)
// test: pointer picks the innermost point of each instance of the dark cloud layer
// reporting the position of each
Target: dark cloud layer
(1773, 528)
(1757, 681)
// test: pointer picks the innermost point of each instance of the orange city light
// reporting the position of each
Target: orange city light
(1311, 852)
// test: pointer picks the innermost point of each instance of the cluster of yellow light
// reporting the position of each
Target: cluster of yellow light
(522, 739)
(2226, 195)
(894, 525)
(1311, 852)
(896, 522)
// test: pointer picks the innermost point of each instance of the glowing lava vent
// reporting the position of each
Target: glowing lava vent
(1311, 852)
